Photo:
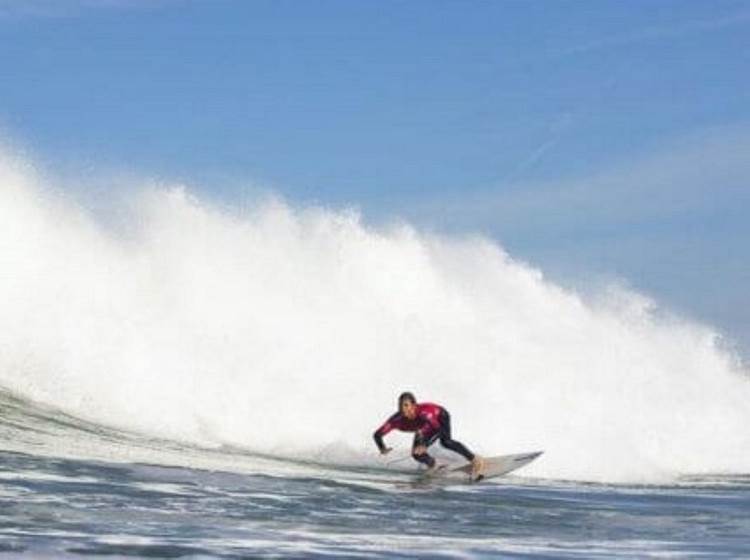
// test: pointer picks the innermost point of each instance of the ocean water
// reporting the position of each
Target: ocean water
(140, 497)
(180, 378)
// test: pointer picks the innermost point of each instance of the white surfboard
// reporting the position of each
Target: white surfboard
(493, 466)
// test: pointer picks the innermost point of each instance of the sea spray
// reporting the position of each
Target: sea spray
(290, 331)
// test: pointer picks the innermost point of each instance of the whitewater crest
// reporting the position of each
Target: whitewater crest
(290, 331)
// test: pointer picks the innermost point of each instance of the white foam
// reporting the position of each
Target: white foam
(291, 331)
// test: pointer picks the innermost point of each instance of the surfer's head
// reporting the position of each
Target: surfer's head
(407, 405)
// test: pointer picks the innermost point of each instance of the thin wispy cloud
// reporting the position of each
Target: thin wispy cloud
(656, 33)
(695, 176)
(555, 134)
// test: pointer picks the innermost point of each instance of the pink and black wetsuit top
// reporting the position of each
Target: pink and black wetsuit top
(431, 422)
(427, 423)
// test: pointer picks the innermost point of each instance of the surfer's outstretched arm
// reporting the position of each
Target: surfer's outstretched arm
(389, 425)
(378, 437)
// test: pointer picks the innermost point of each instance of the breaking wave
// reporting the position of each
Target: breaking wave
(290, 331)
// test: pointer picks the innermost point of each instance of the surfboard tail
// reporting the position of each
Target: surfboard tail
(501, 465)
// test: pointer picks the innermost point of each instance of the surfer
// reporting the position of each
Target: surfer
(430, 422)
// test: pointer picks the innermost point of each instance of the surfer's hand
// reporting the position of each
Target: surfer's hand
(420, 450)
(386, 450)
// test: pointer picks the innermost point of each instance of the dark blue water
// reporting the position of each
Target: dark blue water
(58, 507)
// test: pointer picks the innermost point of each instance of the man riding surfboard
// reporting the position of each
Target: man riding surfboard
(429, 422)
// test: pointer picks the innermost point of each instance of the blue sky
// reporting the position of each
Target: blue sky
(594, 139)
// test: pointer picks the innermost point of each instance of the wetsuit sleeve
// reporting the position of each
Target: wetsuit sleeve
(389, 425)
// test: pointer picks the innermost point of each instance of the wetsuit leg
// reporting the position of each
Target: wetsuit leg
(449, 443)
(423, 458)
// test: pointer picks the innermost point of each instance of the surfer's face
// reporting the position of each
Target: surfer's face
(409, 409)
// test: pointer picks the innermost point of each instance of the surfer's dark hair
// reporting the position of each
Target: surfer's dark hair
(406, 396)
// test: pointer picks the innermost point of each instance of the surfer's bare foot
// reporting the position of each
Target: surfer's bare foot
(477, 467)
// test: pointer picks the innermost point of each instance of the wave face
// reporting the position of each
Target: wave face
(291, 331)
